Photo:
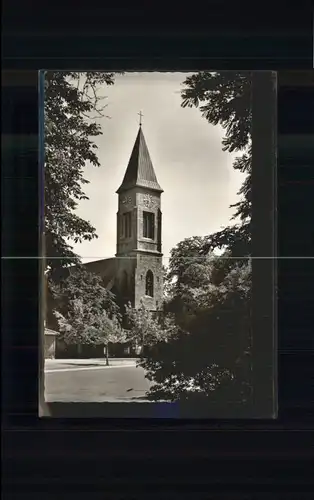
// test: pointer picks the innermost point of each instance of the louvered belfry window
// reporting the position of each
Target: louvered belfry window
(127, 225)
(148, 225)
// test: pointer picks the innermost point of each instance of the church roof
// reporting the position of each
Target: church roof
(140, 171)
(105, 268)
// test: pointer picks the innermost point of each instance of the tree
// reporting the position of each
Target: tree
(86, 311)
(225, 98)
(186, 252)
(189, 275)
(81, 284)
(72, 105)
(145, 329)
(84, 326)
(209, 357)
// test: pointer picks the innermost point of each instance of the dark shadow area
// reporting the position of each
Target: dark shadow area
(112, 410)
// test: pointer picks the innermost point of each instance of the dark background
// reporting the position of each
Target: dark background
(97, 459)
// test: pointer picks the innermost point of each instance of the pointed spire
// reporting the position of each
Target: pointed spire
(140, 171)
(141, 116)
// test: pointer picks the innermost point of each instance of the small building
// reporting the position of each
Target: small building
(50, 343)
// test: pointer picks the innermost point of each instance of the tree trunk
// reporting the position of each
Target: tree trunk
(107, 354)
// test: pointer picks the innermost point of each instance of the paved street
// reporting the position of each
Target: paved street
(92, 381)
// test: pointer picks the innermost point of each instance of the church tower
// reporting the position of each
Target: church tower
(139, 254)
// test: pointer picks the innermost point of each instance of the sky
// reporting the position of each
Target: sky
(197, 177)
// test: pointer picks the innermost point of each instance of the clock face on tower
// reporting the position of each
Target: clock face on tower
(126, 200)
(148, 201)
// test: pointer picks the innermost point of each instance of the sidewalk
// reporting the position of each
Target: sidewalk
(53, 363)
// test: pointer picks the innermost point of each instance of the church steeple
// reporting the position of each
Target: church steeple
(139, 233)
(140, 171)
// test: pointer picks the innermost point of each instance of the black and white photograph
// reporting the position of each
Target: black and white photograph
(147, 239)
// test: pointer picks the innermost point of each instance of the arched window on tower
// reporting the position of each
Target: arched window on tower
(149, 284)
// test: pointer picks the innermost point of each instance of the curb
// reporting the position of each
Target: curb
(87, 361)
(66, 368)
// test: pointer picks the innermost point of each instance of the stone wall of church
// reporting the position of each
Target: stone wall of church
(127, 203)
(125, 277)
(133, 270)
(144, 264)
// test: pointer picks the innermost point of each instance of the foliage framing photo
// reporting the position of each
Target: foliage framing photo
(72, 107)
(209, 356)
(200, 348)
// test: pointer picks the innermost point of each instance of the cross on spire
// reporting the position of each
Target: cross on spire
(141, 116)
